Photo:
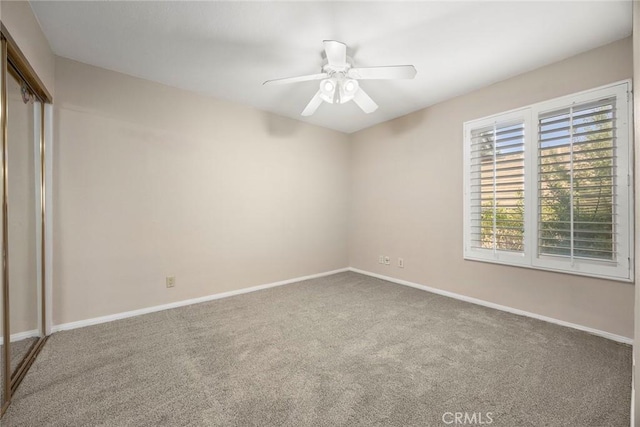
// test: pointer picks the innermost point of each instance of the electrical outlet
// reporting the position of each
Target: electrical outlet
(381, 259)
(387, 260)
(400, 263)
(171, 281)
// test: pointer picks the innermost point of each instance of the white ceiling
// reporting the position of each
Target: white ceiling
(227, 49)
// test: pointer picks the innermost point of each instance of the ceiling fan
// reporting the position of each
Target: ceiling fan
(339, 79)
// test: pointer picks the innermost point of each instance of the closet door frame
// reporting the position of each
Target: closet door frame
(13, 61)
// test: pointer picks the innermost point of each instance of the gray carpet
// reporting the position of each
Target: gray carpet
(19, 349)
(341, 350)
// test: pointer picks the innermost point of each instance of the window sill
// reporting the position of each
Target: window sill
(525, 264)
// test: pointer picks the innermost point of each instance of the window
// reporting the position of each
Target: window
(549, 186)
(497, 185)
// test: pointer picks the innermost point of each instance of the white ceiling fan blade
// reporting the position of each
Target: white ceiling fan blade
(364, 101)
(313, 105)
(296, 79)
(336, 53)
(385, 72)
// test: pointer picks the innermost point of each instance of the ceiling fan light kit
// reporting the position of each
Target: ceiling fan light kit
(339, 79)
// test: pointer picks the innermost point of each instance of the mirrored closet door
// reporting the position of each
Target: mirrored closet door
(22, 322)
(22, 114)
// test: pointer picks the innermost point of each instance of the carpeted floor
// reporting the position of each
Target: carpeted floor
(341, 350)
(19, 350)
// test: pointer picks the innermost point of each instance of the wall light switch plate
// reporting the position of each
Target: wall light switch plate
(171, 281)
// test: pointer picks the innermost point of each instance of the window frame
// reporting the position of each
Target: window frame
(622, 268)
(492, 255)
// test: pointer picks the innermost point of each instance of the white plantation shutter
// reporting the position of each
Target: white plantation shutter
(497, 187)
(577, 212)
(549, 186)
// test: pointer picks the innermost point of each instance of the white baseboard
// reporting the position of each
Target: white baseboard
(604, 334)
(126, 314)
(21, 336)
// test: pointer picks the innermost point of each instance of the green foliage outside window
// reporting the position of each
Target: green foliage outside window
(590, 186)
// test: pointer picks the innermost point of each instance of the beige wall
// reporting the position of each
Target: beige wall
(151, 181)
(407, 196)
(19, 19)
